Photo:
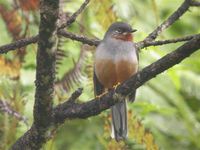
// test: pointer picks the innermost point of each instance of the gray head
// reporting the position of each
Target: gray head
(119, 29)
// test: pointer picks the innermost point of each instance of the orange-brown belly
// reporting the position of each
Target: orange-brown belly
(109, 73)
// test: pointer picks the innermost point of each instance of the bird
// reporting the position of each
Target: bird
(116, 60)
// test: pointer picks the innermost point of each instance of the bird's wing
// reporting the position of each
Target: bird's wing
(131, 96)
(98, 87)
(137, 53)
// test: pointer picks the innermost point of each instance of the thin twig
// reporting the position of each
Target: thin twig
(5, 107)
(75, 15)
(168, 41)
(195, 3)
(18, 44)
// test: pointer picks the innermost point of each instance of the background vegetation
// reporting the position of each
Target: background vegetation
(166, 112)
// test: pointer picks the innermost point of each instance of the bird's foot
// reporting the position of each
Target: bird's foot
(116, 85)
(99, 96)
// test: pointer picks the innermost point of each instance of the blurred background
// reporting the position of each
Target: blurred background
(166, 112)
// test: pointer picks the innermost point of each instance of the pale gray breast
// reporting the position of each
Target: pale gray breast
(117, 50)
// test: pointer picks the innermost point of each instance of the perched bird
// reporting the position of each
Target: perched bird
(116, 60)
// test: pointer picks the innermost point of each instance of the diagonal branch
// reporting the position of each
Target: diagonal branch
(96, 106)
(170, 20)
(174, 17)
(75, 15)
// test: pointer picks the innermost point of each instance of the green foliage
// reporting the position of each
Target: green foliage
(12, 93)
(166, 112)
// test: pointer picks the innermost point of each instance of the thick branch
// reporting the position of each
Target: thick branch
(96, 106)
(45, 76)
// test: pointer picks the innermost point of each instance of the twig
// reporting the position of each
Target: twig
(26, 41)
(195, 3)
(5, 107)
(156, 43)
(18, 44)
(79, 38)
(75, 95)
(75, 15)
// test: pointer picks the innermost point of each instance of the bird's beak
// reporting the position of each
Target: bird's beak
(133, 30)
(129, 32)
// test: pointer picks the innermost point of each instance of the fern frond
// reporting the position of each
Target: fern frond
(74, 76)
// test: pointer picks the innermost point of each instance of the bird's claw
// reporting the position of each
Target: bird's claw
(116, 85)
(99, 96)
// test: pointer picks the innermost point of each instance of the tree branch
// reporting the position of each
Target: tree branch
(195, 3)
(26, 41)
(79, 38)
(169, 41)
(75, 15)
(85, 40)
(18, 44)
(45, 77)
(96, 106)
(170, 20)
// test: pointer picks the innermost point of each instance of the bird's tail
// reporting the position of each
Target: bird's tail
(119, 121)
